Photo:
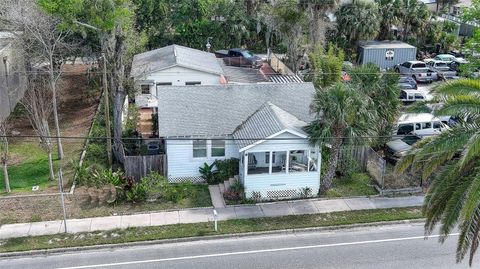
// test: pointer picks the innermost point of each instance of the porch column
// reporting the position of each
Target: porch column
(245, 164)
(309, 158)
(287, 160)
(319, 159)
(270, 163)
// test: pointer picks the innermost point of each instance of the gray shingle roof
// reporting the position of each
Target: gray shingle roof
(211, 110)
(174, 55)
(266, 121)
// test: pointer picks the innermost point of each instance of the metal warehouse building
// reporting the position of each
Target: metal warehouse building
(386, 54)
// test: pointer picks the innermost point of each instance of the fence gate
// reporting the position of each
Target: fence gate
(140, 166)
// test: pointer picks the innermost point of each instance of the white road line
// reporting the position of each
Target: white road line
(254, 252)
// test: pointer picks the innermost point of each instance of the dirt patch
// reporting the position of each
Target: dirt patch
(76, 110)
(78, 102)
(41, 208)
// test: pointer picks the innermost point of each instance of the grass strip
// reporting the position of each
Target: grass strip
(203, 229)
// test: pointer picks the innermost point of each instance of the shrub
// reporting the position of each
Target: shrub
(232, 195)
(305, 192)
(208, 173)
(237, 186)
(226, 169)
(136, 193)
(347, 165)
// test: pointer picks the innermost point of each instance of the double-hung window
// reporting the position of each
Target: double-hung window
(200, 148)
(218, 148)
(145, 89)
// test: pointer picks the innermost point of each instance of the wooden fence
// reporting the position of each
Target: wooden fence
(140, 166)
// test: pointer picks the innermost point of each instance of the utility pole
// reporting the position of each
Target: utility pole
(62, 199)
(107, 110)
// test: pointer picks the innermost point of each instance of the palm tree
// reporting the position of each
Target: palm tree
(391, 11)
(452, 161)
(358, 20)
(414, 17)
(342, 114)
(383, 90)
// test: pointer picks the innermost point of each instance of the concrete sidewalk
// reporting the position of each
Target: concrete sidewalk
(299, 207)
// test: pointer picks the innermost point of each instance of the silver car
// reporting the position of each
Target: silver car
(442, 69)
(417, 70)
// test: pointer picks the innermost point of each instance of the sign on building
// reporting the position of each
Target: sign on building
(389, 54)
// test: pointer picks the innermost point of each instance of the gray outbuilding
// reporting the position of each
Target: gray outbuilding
(386, 54)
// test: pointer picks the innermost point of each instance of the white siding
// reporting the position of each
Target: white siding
(281, 182)
(181, 163)
(288, 142)
(288, 183)
(176, 75)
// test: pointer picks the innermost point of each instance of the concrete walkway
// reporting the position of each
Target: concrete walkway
(299, 207)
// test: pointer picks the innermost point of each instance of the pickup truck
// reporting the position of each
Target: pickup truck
(443, 70)
(419, 71)
(239, 57)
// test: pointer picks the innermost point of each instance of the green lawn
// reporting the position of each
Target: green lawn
(30, 167)
(202, 229)
(359, 184)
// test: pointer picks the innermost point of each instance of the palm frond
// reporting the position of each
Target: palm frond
(460, 87)
(453, 207)
(464, 106)
(472, 150)
(437, 197)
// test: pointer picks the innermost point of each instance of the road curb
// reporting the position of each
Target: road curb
(201, 238)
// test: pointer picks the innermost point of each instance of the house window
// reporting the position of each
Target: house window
(145, 89)
(190, 83)
(164, 84)
(218, 148)
(267, 157)
(199, 148)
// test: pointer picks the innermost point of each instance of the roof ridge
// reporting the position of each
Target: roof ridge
(275, 116)
(264, 105)
(175, 52)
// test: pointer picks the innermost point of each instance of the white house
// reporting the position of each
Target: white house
(260, 124)
(173, 65)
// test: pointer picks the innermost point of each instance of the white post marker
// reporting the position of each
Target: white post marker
(215, 219)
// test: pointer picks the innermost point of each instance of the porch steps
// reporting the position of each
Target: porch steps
(227, 184)
(222, 187)
(216, 196)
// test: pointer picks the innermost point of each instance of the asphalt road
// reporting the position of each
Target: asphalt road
(393, 246)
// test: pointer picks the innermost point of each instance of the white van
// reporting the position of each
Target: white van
(421, 124)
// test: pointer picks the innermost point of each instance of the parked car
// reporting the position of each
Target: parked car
(407, 83)
(239, 57)
(442, 69)
(457, 64)
(409, 96)
(398, 148)
(444, 57)
(419, 71)
(421, 124)
(449, 120)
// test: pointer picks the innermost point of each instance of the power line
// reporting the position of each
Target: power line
(216, 137)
